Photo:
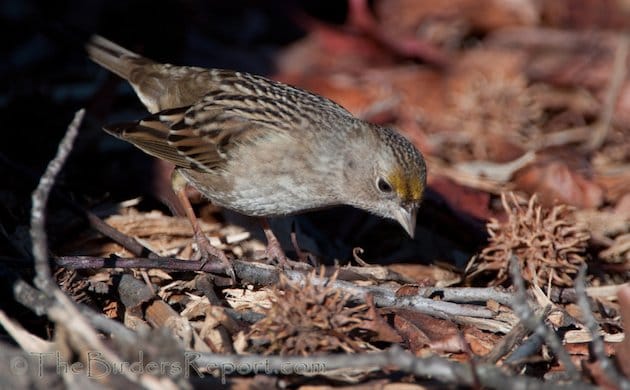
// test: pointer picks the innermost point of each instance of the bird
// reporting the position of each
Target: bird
(263, 148)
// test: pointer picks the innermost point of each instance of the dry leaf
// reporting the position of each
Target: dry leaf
(421, 330)
(426, 275)
(555, 181)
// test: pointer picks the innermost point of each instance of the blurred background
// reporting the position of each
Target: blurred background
(524, 95)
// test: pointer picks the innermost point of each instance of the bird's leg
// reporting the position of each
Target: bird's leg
(273, 250)
(207, 251)
(302, 256)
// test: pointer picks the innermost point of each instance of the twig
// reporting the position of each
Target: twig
(515, 336)
(263, 274)
(588, 319)
(467, 294)
(248, 316)
(619, 71)
(530, 347)
(115, 235)
(386, 297)
(569, 295)
(433, 367)
(526, 315)
(206, 285)
(40, 303)
(264, 277)
(43, 279)
(572, 135)
(140, 298)
(91, 262)
(63, 308)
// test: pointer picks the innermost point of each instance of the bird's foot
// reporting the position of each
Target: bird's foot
(274, 252)
(210, 253)
(206, 250)
(302, 256)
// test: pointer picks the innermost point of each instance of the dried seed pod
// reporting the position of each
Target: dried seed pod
(495, 114)
(307, 318)
(548, 243)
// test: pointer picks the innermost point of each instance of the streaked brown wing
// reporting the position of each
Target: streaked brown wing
(238, 108)
(197, 137)
(148, 139)
(210, 128)
(151, 136)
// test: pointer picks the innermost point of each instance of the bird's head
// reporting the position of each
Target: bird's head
(386, 175)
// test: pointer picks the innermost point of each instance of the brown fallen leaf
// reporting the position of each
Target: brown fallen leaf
(425, 276)
(345, 51)
(413, 336)
(462, 199)
(480, 342)
(555, 181)
(623, 206)
(616, 184)
(376, 322)
(587, 14)
(564, 58)
(408, 17)
(420, 331)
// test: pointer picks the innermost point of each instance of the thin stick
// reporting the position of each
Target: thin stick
(599, 349)
(396, 358)
(262, 274)
(526, 315)
(63, 311)
(43, 279)
(514, 337)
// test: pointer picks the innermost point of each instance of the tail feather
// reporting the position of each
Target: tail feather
(112, 56)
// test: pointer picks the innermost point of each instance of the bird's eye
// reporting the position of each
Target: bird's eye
(383, 185)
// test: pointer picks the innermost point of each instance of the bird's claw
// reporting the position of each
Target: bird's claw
(275, 252)
(210, 253)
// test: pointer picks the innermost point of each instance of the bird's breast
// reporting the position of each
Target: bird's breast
(269, 179)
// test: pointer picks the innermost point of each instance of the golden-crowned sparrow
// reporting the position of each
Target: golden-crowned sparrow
(263, 148)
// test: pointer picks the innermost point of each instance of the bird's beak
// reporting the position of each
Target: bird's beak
(407, 219)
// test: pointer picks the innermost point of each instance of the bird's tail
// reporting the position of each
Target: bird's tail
(112, 56)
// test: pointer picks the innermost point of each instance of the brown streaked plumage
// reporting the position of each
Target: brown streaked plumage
(263, 148)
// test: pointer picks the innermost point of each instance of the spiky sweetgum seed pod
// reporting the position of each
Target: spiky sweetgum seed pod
(548, 243)
(309, 318)
(487, 106)
(498, 103)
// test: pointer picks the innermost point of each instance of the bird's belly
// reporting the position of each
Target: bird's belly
(262, 206)
(257, 196)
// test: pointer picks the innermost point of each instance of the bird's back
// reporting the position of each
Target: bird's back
(165, 86)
